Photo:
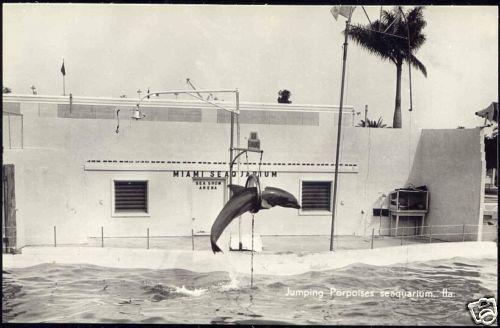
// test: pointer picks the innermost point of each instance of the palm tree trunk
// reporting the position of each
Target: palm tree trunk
(396, 121)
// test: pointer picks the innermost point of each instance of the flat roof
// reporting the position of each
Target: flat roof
(112, 101)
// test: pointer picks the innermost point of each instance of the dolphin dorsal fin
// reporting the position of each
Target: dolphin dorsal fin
(235, 189)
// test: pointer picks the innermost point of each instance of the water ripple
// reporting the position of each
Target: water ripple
(383, 295)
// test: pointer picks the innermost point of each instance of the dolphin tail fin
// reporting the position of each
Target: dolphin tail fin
(215, 248)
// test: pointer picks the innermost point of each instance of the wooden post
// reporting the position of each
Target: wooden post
(9, 207)
(373, 232)
(55, 239)
(463, 233)
(192, 239)
(148, 238)
(430, 234)
(102, 236)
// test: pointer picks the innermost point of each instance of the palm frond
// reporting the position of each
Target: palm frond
(387, 47)
(372, 123)
(374, 44)
(418, 65)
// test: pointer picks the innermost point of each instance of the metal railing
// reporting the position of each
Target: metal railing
(430, 233)
(379, 237)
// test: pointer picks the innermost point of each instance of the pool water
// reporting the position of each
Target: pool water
(406, 294)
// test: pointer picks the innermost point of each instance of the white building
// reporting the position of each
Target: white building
(79, 168)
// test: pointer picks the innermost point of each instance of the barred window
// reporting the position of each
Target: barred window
(316, 195)
(131, 196)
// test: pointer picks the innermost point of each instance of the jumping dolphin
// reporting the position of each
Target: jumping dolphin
(249, 199)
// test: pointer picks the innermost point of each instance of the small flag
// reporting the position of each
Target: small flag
(63, 70)
(342, 10)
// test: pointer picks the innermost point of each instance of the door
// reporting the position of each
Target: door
(208, 200)
(9, 237)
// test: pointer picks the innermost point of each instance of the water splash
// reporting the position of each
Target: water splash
(190, 292)
(234, 284)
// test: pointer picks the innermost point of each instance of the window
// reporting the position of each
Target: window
(130, 197)
(316, 195)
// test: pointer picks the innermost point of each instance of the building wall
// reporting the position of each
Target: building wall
(66, 168)
(451, 164)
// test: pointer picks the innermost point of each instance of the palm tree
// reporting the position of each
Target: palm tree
(372, 124)
(392, 48)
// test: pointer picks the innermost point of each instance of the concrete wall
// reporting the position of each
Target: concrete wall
(63, 181)
(451, 164)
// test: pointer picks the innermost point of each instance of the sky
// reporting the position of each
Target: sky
(115, 49)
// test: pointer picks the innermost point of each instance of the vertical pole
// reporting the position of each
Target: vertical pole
(240, 245)
(102, 236)
(430, 234)
(397, 224)
(192, 239)
(231, 141)
(55, 239)
(148, 238)
(402, 234)
(408, 59)
(70, 103)
(64, 85)
(251, 268)
(335, 182)
(366, 116)
(10, 142)
(22, 131)
(463, 233)
(231, 145)
(373, 232)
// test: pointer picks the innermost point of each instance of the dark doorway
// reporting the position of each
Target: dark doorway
(9, 239)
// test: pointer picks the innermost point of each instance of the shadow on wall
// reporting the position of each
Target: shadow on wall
(450, 162)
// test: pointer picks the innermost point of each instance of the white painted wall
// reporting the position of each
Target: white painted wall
(451, 163)
(56, 186)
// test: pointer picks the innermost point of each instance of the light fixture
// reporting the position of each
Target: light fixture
(137, 114)
(253, 142)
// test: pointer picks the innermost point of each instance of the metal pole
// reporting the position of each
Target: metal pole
(430, 234)
(251, 268)
(10, 142)
(463, 233)
(148, 238)
(402, 234)
(366, 116)
(373, 232)
(192, 239)
(335, 182)
(55, 240)
(231, 147)
(102, 236)
(408, 59)
(22, 132)
(64, 85)
(240, 244)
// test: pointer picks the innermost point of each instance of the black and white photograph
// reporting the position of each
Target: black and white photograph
(265, 164)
